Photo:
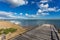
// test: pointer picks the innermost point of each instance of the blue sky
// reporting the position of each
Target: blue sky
(30, 9)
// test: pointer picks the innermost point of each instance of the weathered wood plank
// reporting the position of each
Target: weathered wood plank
(40, 33)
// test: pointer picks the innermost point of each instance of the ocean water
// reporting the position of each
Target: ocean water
(32, 23)
(56, 23)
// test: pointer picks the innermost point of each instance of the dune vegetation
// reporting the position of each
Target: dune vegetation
(10, 29)
(7, 30)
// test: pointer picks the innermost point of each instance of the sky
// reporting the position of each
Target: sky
(29, 9)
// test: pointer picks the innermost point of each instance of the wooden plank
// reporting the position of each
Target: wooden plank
(40, 33)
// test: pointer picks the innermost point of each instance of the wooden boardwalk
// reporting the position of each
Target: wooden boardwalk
(44, 32)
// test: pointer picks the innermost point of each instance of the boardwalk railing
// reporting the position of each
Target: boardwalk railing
(53, 30)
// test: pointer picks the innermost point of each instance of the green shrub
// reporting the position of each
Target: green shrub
(12, 30)
(6, 31)
(0, 33)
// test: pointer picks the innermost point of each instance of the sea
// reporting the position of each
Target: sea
(33, 22)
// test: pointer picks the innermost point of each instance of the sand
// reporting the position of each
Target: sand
(6, 24)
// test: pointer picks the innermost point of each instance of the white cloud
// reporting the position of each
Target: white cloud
(44, 8)
(15, 13)
(11, 15)
(16, 3)
(43, 1)
(7, 15)
(26, 14)
(21, 14)
(40, 11)
(46, 5)
(44, 14)
(32, 16)
(51, 9)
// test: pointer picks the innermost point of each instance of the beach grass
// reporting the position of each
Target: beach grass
(10, 29)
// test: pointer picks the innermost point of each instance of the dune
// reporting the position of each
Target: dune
(7, 24)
